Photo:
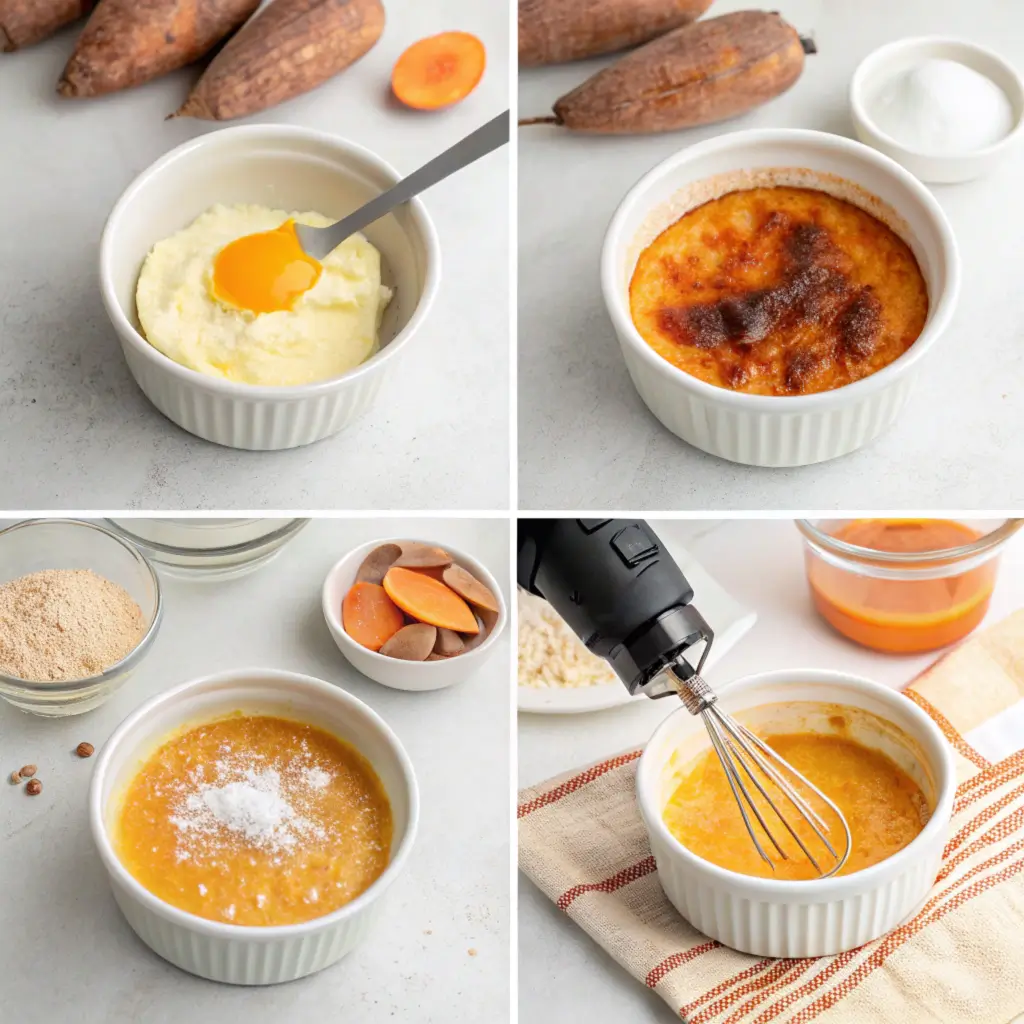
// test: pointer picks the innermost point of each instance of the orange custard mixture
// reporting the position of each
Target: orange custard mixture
(255, 820)
(883, 806)
(778, 291)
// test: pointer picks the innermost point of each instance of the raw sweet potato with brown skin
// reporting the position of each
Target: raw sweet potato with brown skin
(128, 42)
(553, 31)
(292, 47)
(702, 73)
(24, 22)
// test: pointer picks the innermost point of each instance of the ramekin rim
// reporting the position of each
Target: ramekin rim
(70, 687)
(337, 628)
(858, 82)
(261, 392)
(121, 876)
(813, 890)
(940, 312)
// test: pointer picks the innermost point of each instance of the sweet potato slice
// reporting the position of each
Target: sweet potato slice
(24, 22)
(412, 643)
(369, 616)
(448, 643)
(486, 622)
(422, 556)
(128, 42)
(427, 600)
(377, 562)
(439, 70)
(469, 588)
(292, 47)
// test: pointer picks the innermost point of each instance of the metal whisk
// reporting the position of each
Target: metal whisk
(742, 753)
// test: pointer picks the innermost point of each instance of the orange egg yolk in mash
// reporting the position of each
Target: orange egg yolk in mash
(265, 272)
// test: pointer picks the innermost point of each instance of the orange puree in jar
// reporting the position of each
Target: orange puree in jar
(883, 806)
(896, 615)
(255, 820)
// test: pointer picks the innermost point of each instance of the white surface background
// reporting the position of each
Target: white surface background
(563, 974)
(66, 954)
(587, 441)
(77, 432)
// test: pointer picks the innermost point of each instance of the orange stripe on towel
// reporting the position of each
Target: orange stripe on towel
(571, 785)
(670, 963)
(617, 881)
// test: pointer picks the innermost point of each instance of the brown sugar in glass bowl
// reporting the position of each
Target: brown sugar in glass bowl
(36, 545)
(778, 291)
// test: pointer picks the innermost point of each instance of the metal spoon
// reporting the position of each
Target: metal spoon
(318, 242)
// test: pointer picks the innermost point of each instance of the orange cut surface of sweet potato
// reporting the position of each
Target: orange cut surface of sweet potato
(369, 616)
(429, 600)
(439, 70)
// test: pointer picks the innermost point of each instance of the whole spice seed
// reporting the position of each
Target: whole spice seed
(28, 771)
(15, 778)
(34, 787)
(84, 750)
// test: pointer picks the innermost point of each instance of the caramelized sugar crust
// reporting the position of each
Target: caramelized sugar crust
(778, 291)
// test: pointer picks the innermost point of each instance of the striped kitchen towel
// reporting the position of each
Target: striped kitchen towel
(959, 961)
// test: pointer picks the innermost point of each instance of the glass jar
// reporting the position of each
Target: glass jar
(903, 586)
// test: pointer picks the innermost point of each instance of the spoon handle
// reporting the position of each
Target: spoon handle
(484, 140)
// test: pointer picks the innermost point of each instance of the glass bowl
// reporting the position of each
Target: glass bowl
(903, 586)
(38, 544)
(211, 549)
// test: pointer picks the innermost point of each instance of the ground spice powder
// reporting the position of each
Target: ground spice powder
(63, 624)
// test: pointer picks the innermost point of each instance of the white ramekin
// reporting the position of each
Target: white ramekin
(393, 672)
(773, 918)
(765, 430)
(284, 167)
(245, 955)
(887, 61)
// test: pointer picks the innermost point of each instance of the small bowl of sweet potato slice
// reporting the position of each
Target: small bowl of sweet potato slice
(412, 614)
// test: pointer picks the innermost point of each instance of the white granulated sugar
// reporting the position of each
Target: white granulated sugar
(253, 808)
(230, 912)
(238, 800)
(316, 777)
(202, 889)
(261, 901)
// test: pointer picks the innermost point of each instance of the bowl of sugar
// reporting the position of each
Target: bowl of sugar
(947, 109)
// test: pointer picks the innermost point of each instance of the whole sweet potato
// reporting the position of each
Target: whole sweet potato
(128, 42)
(552, 31)
(24, 22)
(292, 47)
(701, 73)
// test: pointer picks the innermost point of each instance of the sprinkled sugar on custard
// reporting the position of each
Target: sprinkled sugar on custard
(255, 820)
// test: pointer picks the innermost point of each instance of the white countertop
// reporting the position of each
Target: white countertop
(586, 439)
(78, 433)
(563, 974)
(67, 954)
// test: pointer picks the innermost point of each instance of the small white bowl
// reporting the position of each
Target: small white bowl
(393, 672)
(767, 430)
(772, 918)
(283, 167)
(882, 64)
(235, 954)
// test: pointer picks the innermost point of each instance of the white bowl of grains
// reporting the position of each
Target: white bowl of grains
(79, 609)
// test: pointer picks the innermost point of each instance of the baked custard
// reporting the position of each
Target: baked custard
(778, 291)
(255, 820)
(883, 806)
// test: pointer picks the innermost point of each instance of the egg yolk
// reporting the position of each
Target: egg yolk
(264, 272)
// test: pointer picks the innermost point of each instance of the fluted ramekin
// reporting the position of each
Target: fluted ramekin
(283, 167)
(774, 918)
(767, 430)
(238, 954)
